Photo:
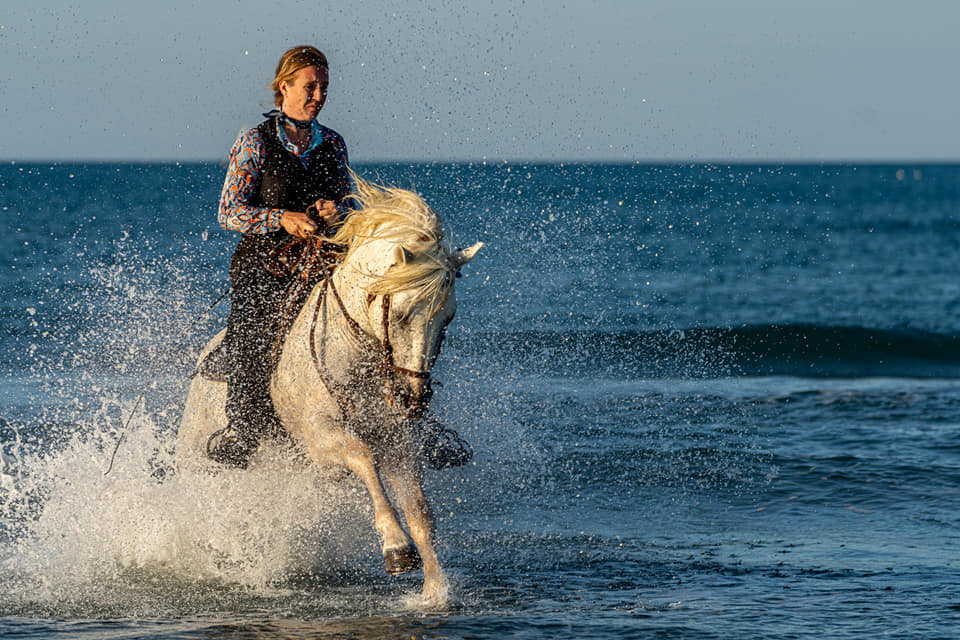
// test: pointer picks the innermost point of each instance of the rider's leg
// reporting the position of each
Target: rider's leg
(249, 338)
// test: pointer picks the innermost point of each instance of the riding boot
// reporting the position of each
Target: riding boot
(441, 447)
(231, 447)
(248, 413)
(251, 418)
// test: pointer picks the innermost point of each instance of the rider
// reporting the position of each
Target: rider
(287, 178)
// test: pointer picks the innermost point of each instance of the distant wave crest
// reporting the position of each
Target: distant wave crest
(752, 350)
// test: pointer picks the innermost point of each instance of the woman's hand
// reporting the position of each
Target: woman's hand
(327, 210)
(297, 223)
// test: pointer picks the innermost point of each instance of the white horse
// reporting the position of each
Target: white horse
(355, 366)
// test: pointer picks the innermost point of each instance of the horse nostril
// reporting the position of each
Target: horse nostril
(418, 391)
(417, 387)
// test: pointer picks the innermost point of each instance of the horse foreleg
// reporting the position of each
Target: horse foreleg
(407, 485)
(399, 554)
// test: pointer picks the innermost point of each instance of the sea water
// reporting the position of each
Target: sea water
(706, 401)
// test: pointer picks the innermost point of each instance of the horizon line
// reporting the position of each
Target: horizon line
(530, 161)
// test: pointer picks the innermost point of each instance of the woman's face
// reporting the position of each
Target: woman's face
(303, 97)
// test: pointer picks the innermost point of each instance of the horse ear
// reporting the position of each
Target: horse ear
(463, 256)
(401, 255)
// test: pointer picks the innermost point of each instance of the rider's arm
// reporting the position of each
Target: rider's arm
(240, 187)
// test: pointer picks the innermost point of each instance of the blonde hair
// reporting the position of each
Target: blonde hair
(403, 218)
(290, 63)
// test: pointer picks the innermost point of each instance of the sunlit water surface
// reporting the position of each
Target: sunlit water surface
(706, 402)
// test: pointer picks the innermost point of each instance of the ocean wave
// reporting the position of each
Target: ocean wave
(806, 350)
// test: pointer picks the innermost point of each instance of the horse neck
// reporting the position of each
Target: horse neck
(349, 281)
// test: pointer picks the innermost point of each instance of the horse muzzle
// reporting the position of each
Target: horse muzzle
(412, 396)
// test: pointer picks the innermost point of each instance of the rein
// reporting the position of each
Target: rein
(387, 365)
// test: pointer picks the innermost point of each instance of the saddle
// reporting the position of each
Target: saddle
(303, 262)
(216, 366)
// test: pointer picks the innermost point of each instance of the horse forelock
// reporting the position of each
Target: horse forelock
(400, 218)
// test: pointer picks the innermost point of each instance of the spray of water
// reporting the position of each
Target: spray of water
(81, 533)
(153, 536)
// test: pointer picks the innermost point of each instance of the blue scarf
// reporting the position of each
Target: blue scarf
(284, 118)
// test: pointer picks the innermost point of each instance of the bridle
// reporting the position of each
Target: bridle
(309, 262)
(415, 410)
(388, 368)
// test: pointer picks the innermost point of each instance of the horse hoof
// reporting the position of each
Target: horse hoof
(402, 560)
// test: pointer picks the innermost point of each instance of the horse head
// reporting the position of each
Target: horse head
(405, 296)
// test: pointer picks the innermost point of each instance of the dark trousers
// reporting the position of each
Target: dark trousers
(251, 331)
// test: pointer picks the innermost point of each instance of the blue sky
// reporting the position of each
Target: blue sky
(497, 80)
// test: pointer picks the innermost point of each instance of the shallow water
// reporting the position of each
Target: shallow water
(705, 402)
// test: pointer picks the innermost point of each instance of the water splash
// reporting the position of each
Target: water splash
(83, 535)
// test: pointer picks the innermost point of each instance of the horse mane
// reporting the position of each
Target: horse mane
(424, 266)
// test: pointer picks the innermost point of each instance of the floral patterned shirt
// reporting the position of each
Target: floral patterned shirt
(236, 211)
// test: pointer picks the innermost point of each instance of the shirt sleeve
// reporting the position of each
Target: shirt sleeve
(236, 211)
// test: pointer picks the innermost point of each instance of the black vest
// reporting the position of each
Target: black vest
(286, 184)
